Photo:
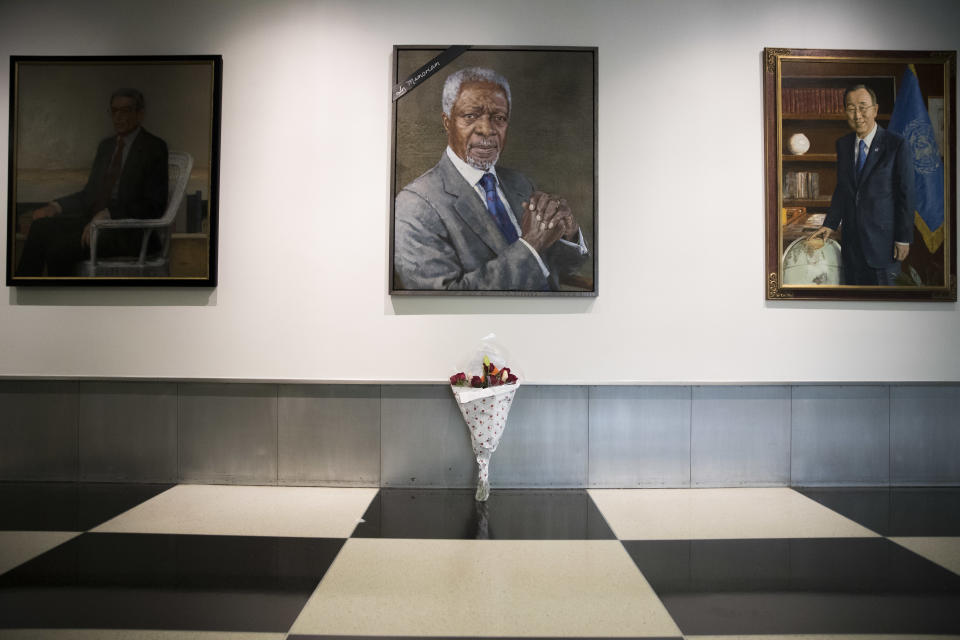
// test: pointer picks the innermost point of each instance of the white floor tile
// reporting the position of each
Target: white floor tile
(705, 514)
(944, 551)
(508, 588)
(16, 547)
(319, 512)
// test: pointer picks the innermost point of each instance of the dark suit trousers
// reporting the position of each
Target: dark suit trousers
(856, 271)
(54, 242)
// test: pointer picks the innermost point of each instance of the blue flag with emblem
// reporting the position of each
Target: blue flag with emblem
(911, 120)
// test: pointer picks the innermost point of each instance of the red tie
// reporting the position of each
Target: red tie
(110, 179)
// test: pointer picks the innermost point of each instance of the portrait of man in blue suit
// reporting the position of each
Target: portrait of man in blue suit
(873, 203)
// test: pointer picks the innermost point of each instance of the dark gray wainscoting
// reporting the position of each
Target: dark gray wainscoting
(413, 435)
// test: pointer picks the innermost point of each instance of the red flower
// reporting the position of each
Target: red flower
(490, 376)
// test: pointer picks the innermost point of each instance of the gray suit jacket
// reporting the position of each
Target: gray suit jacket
(444, 238)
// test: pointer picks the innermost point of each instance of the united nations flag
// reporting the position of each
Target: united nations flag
(911, 120)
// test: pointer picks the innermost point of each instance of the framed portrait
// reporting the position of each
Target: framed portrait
(861, 198)
(113, 171)
(494, 171)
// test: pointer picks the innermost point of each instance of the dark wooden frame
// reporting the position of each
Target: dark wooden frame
(585, 286)
(778, 125)
(205, 258)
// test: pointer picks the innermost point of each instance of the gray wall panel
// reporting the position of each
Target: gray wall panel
(740, 436)
(329, 435)
(128, 431)
(639, 436)
(545, 440)
(423, 439)
(228, 433)
(38, 430)
(841, 435)
(925, 435)
(413, 435)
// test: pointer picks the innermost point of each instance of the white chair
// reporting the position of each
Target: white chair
(158, 264)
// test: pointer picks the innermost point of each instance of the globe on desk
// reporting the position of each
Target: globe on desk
(806, 263)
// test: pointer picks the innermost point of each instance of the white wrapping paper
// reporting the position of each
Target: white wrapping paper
(485, 412)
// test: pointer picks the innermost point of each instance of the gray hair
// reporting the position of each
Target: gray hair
(857, 87)
(451, 86)
(130, 93)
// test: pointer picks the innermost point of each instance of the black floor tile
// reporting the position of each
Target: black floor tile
(843, 585)
(139, 581)
(896, 511)
(508, 515)
(316, 637)
(68, 506)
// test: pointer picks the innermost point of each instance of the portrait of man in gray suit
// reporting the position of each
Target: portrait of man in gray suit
(469, 223)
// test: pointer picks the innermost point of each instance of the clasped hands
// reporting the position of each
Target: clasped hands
(900, 250)
(547, 218)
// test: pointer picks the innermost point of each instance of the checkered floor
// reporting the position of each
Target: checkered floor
(165, 562)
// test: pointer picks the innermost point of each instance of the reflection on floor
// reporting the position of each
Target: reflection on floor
(85, 561)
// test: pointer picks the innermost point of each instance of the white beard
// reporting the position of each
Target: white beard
(482, 165)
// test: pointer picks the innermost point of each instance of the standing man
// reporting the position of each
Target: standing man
(128, 179)
(873, 200)
(472, 225)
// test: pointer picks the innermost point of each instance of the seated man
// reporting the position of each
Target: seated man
(128, 179)
(472, 225)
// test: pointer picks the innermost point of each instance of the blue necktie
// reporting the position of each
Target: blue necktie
(861, 157)
(496, 208)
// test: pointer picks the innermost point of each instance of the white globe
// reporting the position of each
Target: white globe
(799, 144)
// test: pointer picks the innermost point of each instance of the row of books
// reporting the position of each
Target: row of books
(803, 185)
(813, 100)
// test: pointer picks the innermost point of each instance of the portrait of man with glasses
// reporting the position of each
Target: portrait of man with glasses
(128, 179)
(873, 203)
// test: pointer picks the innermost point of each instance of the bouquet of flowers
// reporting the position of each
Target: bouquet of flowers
(491, 377)
(484, 402)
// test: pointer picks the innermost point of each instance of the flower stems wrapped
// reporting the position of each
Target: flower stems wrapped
(485, 402)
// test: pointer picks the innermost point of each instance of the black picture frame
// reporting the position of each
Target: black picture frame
(552, 140)
(60, 124)
(804, 121)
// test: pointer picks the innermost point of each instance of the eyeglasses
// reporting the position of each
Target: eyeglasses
(123, 110)
(861, 109)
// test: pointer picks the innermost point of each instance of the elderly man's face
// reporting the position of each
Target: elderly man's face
(477, 125)
(861, 111)
(125, 116)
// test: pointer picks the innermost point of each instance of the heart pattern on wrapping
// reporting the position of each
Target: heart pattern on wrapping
(486, 419)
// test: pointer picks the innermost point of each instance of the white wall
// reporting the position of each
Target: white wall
(304, 210)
